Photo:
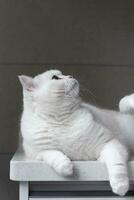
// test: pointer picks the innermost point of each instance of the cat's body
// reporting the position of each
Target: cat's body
(67, 136)
(57, 126)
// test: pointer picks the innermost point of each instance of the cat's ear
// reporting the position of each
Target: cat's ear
(26, 82)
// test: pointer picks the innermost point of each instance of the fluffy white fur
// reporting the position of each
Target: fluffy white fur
(57, 127)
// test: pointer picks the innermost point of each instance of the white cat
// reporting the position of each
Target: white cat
(57, 127)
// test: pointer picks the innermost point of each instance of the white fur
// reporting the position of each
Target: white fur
(126, 104)
(58, 127)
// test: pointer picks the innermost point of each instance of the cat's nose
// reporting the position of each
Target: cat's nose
(70, 76)
(63, 76)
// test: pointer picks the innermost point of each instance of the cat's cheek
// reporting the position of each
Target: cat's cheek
(58, 85)
(34, 106)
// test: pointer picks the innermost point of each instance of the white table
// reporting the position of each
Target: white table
(39, 182)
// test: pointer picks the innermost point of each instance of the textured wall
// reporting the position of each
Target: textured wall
(67, 31)
(91, 39)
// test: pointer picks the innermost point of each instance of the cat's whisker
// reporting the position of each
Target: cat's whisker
(83, 88)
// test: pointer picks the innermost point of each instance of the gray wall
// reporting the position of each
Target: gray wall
(91, 39)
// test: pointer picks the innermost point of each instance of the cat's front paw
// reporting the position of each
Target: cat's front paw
(120, 186)
(64, 168)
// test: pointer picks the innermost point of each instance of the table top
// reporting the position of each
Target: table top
(22, 169)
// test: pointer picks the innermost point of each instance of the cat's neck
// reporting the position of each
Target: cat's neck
(59, 111)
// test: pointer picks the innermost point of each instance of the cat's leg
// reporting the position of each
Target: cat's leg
(126, 104)
(115, 156)
(58, 161)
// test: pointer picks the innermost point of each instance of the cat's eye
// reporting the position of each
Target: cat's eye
(55, 77)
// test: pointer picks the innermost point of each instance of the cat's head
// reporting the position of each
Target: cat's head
(50, 87)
